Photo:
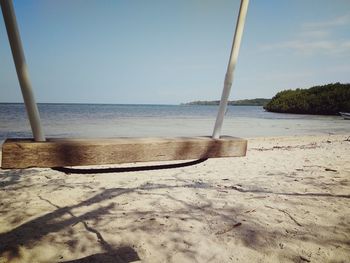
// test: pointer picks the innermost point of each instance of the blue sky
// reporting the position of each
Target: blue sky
(168, 52)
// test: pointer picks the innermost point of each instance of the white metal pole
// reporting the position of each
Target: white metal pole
(230, 68)
(21, 68)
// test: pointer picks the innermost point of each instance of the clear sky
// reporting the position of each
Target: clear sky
(168, 52)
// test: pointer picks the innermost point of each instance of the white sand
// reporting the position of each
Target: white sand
(287, 201)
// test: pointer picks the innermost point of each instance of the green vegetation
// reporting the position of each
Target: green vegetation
(327, 99)
(252, 102)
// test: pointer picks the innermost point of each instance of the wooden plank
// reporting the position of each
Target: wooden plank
(24, 153)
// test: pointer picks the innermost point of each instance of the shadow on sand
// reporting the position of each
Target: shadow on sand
(250, 233)
(120, 255)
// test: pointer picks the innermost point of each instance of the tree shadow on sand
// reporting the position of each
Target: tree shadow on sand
(11, 177)
(251, 233)
(119, 255)
(28, 234)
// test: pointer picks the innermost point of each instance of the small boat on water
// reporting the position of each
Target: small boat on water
(346, 115)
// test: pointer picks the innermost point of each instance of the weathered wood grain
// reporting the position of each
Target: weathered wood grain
(24, 153)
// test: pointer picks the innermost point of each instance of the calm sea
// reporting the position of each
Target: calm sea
(102, 120)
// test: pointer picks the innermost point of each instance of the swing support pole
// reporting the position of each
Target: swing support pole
(22, 68)
(230, 68)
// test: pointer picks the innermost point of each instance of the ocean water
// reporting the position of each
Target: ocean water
(105, 120)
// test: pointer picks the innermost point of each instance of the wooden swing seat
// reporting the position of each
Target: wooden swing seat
(25, 153)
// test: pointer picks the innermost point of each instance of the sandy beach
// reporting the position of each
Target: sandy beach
(286, 201)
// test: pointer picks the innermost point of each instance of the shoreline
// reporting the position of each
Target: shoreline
(153, 121)
(287, 200)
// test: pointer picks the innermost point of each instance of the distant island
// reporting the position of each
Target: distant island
(327, 99)
(248, 102)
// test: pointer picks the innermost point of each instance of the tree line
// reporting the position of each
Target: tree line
(327, 99)
(247, 102)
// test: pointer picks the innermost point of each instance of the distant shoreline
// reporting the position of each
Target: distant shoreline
(245, 102)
